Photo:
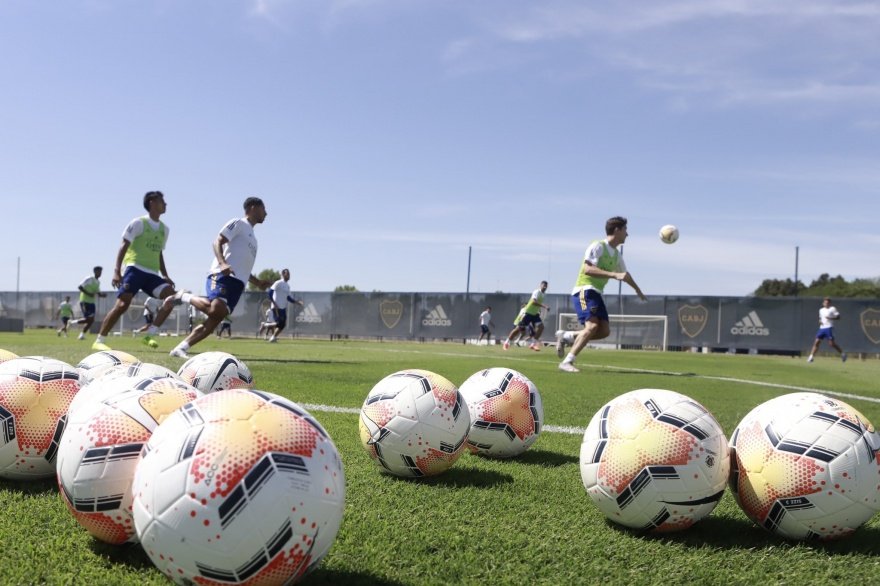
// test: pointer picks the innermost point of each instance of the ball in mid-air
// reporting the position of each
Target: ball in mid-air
(806, 466)
(654, 460)
(669, 234)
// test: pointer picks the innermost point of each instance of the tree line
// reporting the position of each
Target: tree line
(824, 286)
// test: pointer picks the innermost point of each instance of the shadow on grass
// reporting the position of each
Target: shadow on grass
(250, 359)
(461, 476)
(336, 577)
(130, 555)
(538, 458)
(614, 370)
(42, 487)
(727, 533)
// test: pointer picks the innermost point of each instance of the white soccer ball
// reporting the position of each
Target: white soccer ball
(7, 355)
(216, 371)
(238, 486)
(414, 423)
(669, 234)
(654, 460)
(100, 446)
(35, 393)
(137, 370)
(805, 466)
(94, 365)
(506, 412)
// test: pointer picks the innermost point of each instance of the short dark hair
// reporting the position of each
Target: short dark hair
(97, 269)
(613, 224)
(150, 196)
(251, 202)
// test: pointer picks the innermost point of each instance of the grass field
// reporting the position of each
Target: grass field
(522, 521)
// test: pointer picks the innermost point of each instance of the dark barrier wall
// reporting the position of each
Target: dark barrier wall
(742, 323)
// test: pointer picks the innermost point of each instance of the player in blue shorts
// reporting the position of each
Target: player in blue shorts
(602, 261)
(235, 250)
(828, 314)
(143, 241)
(89, 289)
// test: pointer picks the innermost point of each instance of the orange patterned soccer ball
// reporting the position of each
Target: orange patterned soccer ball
(806, 466)
(95, 365)
(216, 371)
(35, 393)
(7, 355)
(654, 460)
(414, 423)
(238, 487)
(100, 446)
(506, 412)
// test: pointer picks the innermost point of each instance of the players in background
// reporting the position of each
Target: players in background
(151, 308)
(531, 319)
(88, 290)
(140, 254)
(235, 250)
(65, 312)
(485, 325)
(279, 297)
(225, 326)
(602, 261)
(267, 327)
(827, 314)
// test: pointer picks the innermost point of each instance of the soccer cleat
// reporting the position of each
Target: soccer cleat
(843, 357)
(560, 344)
(81, 337)
(535, 346)
(506, 345)
(179, 353)
(810, 358)
(568, 367)
(272, 340)
(100, 347)
(59, 333)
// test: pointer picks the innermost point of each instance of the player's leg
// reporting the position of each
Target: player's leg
(592, 313)
(512, 336)
(88, 318)
(123, 300)
(280, 316)
(538, 330)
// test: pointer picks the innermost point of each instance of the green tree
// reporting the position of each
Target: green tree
(823, 286)
(345, 289)
(270, 275)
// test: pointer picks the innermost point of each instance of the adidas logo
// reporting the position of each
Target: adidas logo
(750, 325)
(437, 317)
(309, 315)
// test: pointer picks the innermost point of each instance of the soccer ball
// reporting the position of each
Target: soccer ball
(100, 446)
(34, 395)
(805, 466)
(238, 486)
(414, 423)
(654, 460)
(669, 234)
(216, 371)
(138, 370)
(94, 365)
(506, 412)
(6, 355)
(118, 379)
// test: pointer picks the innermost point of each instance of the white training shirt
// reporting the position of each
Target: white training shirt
(280, 292)
(134, 229)
(485, 318)
(241, 251)
(827, 315)
(592, 255)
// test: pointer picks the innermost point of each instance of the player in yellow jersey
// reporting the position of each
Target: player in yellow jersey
(88, 290)
(602, 261)
(143, 241)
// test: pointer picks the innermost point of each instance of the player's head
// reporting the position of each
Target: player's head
(543, 286)
(98, 271)
(255, 210)
(67, 298)
(488, 308)
(285, 274)
(826, 301)
(152, 196)
(614, 224)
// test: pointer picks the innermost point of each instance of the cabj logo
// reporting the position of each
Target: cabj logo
(693, 319)
(390, 312)
(870, 320)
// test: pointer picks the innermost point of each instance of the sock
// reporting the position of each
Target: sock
(186, 297)
(569, 337)
(99, 339)
(569, 358)
(183, 346)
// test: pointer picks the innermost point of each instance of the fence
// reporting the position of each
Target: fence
(729, 323)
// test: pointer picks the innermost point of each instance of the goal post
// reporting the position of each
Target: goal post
(632, 332)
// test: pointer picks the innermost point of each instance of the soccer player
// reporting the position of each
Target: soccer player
(267, 326)
(827, 314)
(235, 250)
(602, 261)
(531, 319)
(279, 297)
(143, 241)
(88, 290)
(65, 312)
(151, 308)
(485, 323)
(225, 326)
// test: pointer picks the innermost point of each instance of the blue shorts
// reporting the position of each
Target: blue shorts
(280, 316)
(825, 334)
(87, 309)
(530, 320)
(484, 329)
(135, 280)
(227, 289)
(588, 303)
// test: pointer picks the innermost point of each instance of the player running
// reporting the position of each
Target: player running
(531, 319)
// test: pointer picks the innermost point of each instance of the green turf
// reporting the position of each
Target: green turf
(527, 520)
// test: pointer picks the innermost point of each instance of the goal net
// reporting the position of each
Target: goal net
(628, 332)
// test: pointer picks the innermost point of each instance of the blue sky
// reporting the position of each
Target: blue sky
(388, 136)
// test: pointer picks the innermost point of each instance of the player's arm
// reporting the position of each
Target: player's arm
(292, 300)
(217, 247)
(116, 281)
(163, 270)
(627, 278)
(261, 283)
